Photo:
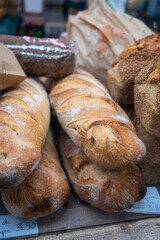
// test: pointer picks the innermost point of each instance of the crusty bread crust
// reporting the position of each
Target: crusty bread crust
(24, 121)
(139, 56)
(109, 190)
(95, 122)
(147, 97)
(44, 191)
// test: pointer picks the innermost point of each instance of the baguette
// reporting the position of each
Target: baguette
(95, 122)
(150, 166)
(44, 191)
(24, 121)
(109, 190)
(121, 77)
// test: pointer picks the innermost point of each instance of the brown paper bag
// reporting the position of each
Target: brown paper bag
(101, 35)
(11, 73)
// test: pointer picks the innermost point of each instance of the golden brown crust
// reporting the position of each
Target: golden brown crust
(43, 192)
(95, 122)
(24, 121)
(150, 43)
(109, 190)
(139, 57)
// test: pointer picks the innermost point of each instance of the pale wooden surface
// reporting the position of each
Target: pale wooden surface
(147, 229)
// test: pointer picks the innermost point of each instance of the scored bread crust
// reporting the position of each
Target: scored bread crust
(44, 191)
(109, 190)
(24, 121)
(95, 122)
(121, 77)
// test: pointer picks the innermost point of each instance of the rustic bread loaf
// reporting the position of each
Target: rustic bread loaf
(147, 97)
(121, 77)
(109, 190)
(44, 191)
(150, 166)
(24, 121)
(95, 122)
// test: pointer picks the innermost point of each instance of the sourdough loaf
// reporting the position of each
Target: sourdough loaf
(24, 121)
(109, 190)
(147, 97)
(150, 166)
(95, 122)
(121, 77)
(44, 191)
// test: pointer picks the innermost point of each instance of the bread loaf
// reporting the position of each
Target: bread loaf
(47, 57)
(147, 97)
(24, 121)
(95, 122)
(44, 191)
(150, 166)
(121, 77)
(109, 190)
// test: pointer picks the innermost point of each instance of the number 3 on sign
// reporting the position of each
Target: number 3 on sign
(11, 226)
(26, 226)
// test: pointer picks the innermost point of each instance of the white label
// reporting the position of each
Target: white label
(11, 227)
(150, 204)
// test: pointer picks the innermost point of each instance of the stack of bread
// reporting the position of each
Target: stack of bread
(32, 181)
(135, 79)
(99, 149)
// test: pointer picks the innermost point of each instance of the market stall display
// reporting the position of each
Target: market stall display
(107, 158)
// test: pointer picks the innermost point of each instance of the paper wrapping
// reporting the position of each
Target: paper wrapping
(101, 35)
(11, 73)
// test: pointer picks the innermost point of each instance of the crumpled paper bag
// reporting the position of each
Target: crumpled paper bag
(11, 72)
(101, 35)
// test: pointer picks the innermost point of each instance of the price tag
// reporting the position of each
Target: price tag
(11, 227)
(150, 204)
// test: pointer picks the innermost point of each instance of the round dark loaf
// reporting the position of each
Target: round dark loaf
(47, 57)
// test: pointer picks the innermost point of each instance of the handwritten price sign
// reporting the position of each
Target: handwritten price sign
(148, 205)
(11, 227)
